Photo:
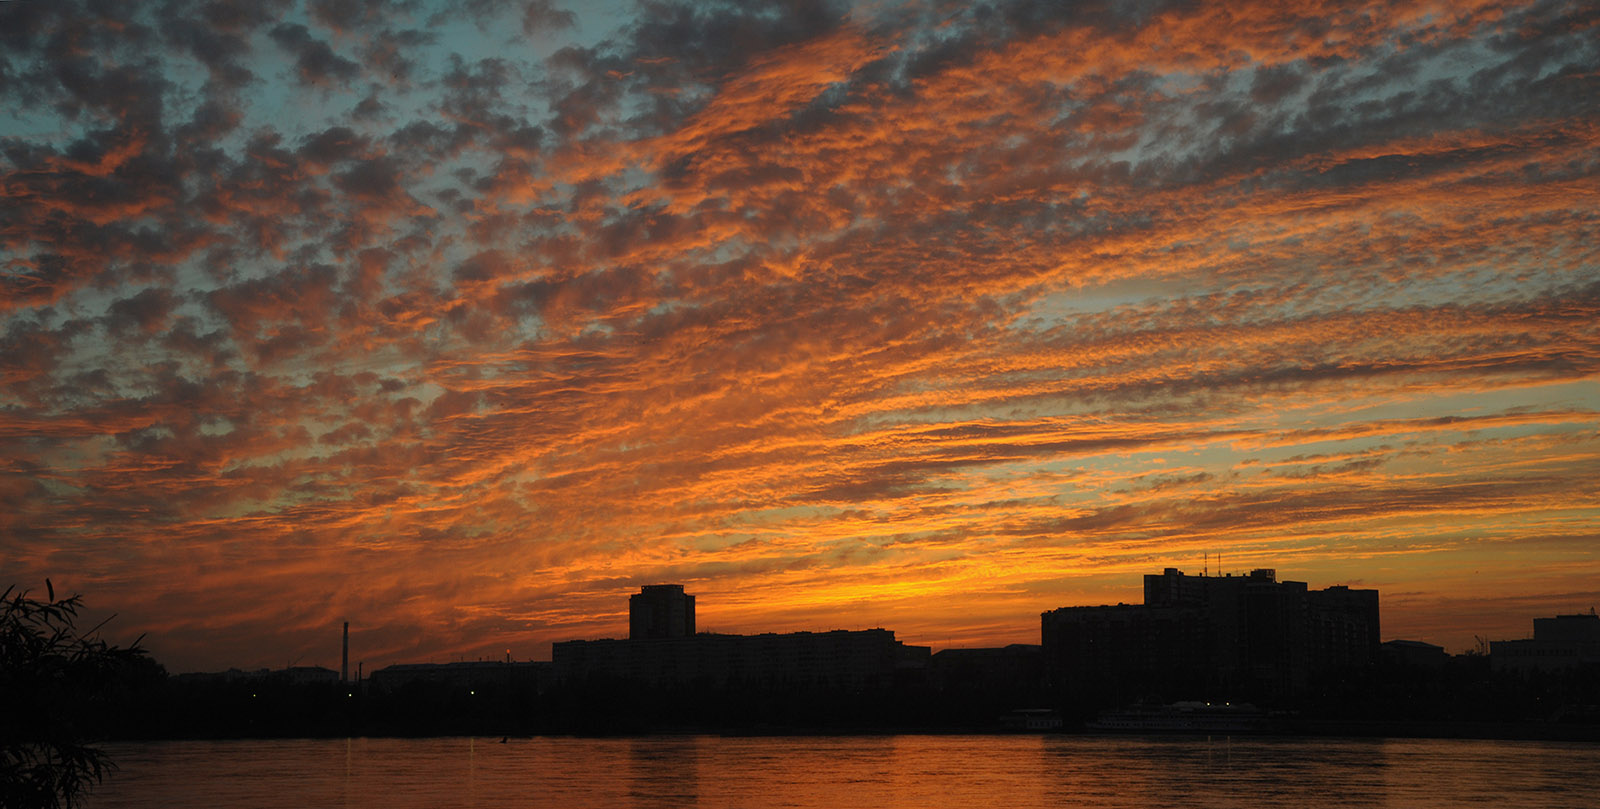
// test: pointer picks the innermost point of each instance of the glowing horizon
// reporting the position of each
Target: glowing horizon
(461, 320)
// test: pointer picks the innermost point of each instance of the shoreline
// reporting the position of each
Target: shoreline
(1467, 730)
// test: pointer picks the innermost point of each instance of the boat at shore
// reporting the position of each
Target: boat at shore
(1031, 719)
(1184, 717)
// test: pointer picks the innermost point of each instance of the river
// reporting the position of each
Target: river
(836, 772)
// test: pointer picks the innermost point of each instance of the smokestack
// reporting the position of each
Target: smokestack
(344, 657)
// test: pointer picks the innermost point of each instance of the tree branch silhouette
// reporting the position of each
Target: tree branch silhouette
(55, 684)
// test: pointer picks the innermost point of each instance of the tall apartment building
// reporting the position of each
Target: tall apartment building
(1210, 637)
(660, 611)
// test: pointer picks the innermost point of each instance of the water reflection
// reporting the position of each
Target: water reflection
(1219, 771)
(664, 770)
(925, 772)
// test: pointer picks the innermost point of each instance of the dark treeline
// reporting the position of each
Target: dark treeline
(174, 708)
(1460, 697)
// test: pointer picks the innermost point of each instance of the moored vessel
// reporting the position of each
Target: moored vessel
(1184, 717)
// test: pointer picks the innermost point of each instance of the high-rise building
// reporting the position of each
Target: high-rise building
(1210, 637)
(660, 611)
(1343, 627)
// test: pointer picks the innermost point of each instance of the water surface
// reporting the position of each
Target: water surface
(852, 771)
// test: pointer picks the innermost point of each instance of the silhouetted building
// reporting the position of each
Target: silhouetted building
(660, 611)
(1414, 653)
(1222, 636)
(1121, 653)
(1014, 668)
(1562, 643)
(1342, 628)
(659, 653)
(868, 658)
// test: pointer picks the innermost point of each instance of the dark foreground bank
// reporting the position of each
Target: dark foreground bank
(1383, 701)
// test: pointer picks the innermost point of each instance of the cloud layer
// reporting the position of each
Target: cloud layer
(459, 321)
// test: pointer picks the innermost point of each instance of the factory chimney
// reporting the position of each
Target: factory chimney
(344, 657)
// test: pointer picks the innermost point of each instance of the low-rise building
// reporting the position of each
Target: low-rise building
(1414, 653)
(838, 659)
(1562, 643)
(853, 659)
(1014, 668)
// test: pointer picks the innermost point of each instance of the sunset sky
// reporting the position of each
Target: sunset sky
(460, 321)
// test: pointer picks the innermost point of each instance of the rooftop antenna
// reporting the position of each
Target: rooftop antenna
(1206, 571)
